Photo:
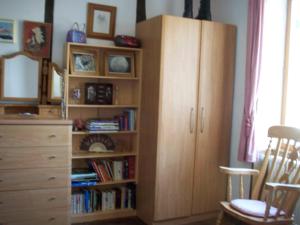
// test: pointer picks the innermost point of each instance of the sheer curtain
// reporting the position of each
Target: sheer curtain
(254, 48)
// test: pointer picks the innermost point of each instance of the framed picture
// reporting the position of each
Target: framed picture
(84, 62)
(7, 31)
(101, 21)
(98, 93)
(37, 38)
(119, 64)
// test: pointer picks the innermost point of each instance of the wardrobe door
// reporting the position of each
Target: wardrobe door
(214, 115)
(177, 115)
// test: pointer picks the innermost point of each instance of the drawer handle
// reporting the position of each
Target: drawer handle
(1, 181)
(52, 178)
(1, 159)
(52, 219)
(51, 199)
(1, 203)
(52, 136)
(52, 157)
(50, 111)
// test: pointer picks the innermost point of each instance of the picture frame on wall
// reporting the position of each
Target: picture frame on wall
(101, 21)
(119, 64)
(84, 62)
(37, 38)
(7, 31)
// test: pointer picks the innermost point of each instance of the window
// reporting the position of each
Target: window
(279, 88)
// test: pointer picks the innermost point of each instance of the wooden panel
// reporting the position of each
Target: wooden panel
(177, 116)
(39, 135)
(214, 115)
(34, 157)
(13, 201)
(149, 32)
(49, 111)
(34, 179)
(57, 216)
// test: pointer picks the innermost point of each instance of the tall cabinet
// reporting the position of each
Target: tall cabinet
(185, 117)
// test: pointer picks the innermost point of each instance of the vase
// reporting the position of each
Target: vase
(204, 10)
(188, 9)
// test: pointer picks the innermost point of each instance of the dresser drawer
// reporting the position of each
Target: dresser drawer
(56, 216)
(49, 111)
(35, 157)
(25, 179)
(34, 199)
(34, 135)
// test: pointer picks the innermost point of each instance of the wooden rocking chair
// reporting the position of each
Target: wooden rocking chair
(276, 189)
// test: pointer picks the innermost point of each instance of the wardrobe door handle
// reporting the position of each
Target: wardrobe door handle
(52, 219)
(52, 178)
(51, 199)
(52, 136)
(202, 120)
(52, 157)
(192, 122)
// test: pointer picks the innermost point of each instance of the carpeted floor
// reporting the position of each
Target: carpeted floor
(136, 222)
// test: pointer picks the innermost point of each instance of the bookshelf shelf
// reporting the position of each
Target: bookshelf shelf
(103, 132)
(103, 215)
(101, 106)
(115, 182)
(101, 155)
(104, 77)
(126, 99)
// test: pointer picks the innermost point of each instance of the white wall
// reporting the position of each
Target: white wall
(32, 10)
(66, 12)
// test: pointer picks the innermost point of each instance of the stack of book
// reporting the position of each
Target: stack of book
(102, 125)
(88, 201)
(127, 120)
(114, 170)
(81, 178)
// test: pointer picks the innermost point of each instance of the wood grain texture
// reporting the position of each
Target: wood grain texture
(214, 114)
(32, 136)
(150, 33)
(177, 115)
(34, 157)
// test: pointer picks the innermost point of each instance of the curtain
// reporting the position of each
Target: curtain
(247, 151)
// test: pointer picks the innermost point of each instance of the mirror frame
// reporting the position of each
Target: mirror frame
(60, 72)
(2, 65)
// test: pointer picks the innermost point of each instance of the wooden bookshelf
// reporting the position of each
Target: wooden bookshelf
(102, 155)
(104, 132)
(126, 95)
(105, 215)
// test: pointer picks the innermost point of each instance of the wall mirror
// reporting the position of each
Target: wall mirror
(55, 83)
(20, 77)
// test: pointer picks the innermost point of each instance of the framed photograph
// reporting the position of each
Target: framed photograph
(84, 62)
(7, 31)
(101, 21)
(98, 93)
(119, 64)
(37, 38)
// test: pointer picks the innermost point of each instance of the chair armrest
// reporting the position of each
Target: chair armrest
(238, 171)
(282, 187)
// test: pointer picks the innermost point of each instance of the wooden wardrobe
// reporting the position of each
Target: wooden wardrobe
(188, 74)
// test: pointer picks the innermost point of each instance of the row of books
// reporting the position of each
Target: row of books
(89, 201)
(127, 120)
(123, 122)
(114, 170)
(102, 125)
(82, 178)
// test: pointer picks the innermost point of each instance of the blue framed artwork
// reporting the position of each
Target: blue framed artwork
(7, 31)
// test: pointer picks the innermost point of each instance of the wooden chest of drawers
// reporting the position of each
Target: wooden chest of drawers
(35, 168)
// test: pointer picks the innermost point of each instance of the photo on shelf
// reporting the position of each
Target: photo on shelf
(119, 64)
(84, 62)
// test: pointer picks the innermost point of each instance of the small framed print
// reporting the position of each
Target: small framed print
(119, 64)
(7, 31)
(101, 21)
(84, 62)
(37, 38)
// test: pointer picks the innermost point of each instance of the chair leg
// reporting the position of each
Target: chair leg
(220, 218)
